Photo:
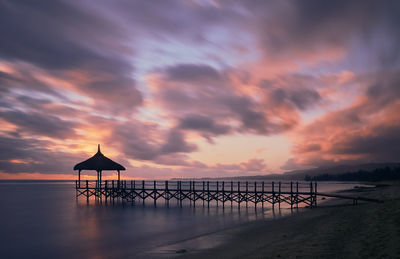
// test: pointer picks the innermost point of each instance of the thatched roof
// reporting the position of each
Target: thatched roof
(98, 162)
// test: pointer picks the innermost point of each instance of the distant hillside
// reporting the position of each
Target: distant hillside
(352, 172)
(378, 174)
(339, 169)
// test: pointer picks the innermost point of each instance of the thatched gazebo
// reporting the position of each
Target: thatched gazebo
(98, 163)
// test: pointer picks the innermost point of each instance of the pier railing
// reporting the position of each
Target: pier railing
(292, 193)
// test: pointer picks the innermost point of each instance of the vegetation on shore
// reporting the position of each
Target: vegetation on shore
(379, 174)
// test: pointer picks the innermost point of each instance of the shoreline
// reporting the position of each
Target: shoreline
(335, 229)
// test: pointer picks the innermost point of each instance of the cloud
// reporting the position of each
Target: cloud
(149, 142)
(147, 78)
(200, 98)
(176, 143)
(254, 165)
(362, 132)
(190, 72)
(34, 156)
(68, 42)
(40, 124)
(203, 124)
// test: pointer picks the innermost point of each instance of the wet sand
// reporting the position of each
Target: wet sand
(336, 229)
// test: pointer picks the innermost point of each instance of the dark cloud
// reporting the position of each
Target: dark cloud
(176, 143)
(39, 124)
(300, 98)
(367, 131)
(292, 90)
(70, 42)
(381, 146)
(149, 142)
(49, 34)
(189, 72)
(203, 124)
(33, 156)
(218, 100)
(291, 30)
(252, 117)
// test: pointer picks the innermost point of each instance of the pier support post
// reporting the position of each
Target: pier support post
(208, 194)
(155, 193)
(105, 191)
(255, 195)
(291, 195)
(87, 191)
(180, 193)
(223, 194)
(262, 196)
(231, 194)
(315, 193)
(143, 197)
(217, 193)
(247, 193)
(297, 194)
(273, 194)
(311, 195)
(239, 195)
(194, 193)
(190, 193)
(279, 195)
(167, 193)
(204, 192)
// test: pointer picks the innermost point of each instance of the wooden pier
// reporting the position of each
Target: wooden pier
(292, 193)
(201, 192)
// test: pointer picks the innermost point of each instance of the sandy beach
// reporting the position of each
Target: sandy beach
(336, 229)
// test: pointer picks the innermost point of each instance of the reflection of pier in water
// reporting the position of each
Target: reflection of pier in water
(203, 192)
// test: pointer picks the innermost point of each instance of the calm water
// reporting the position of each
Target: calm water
(44, 220)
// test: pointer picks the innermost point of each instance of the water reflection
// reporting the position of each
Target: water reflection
(164, 229)
(44, 220)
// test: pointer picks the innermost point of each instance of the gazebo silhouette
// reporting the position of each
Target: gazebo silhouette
(98, 163)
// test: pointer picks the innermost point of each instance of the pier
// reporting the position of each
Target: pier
(204, 192)
(201, 192)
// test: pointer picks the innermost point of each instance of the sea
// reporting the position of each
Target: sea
(44, 219)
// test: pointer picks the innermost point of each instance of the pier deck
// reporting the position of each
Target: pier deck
(204, 192)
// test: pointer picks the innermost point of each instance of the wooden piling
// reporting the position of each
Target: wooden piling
(291, 195)
(273, 194)
(255, 195)
(262, 199)
(208, 194)
(231, 193)
(279, 195)
(247, 192)
(223, 194)
(203, 193)
(239, 195)
(143, 193)
(87, 191)
(155, 193)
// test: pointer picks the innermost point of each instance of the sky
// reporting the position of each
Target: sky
(197, 88)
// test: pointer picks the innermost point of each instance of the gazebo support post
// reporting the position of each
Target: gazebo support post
(97, 182)
(100, 178)
(119, 177)
(79, 179)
